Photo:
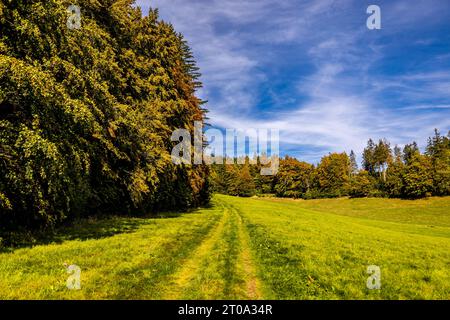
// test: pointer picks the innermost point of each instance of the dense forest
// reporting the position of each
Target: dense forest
(385, 172)
(86, 114)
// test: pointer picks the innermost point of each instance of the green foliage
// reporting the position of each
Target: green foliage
(410, 151)
(395, 180)
(233, 179)
(293, 178)
(438, 149)
(421, 175)
(332, 174)
(361, 185)
(418, 180)
(245, 186)
(369, 157)
(86, 115)
(376, 157)
(386, 173)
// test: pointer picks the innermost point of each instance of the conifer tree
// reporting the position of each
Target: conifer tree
(369, 157)
(410, 151)
(353, 164)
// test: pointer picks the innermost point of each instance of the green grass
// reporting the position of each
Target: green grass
(321, 249)
(246, 249)
(430, 211)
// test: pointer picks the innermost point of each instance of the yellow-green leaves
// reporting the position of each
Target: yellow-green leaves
(92, 111)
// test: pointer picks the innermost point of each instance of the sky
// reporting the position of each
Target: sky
(313, 70)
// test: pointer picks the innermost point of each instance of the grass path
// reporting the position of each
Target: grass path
(253, 283)
(134, 265)
(203, 255)
(246, 249)
(221, 267)
(188, 272)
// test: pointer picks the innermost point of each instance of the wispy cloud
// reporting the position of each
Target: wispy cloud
(314, 71)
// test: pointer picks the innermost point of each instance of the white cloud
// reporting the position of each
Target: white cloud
(340, 109)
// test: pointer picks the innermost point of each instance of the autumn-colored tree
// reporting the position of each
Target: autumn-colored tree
(361, 184)
(86, 114)
(293, 178)
(399, 174)
(394, 185)
(410, 151)
(332, 175)
(438, 149)
(418, 178)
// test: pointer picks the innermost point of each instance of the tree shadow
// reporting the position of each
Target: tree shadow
(91, 228)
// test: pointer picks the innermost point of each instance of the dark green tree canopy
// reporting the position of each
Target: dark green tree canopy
(86, 114)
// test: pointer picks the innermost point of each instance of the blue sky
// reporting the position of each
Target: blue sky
(315, 71)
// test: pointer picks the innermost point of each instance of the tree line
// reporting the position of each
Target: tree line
(384, 172)
(86, 115)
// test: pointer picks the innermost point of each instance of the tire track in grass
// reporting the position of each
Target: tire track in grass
(223, 273)
(221, 267)
(149, 280)
(253, 284)
(181, 281)
(248, 282)
(230, 271)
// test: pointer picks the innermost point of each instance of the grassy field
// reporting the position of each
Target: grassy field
(258, 248)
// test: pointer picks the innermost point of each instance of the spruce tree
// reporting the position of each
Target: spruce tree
(353, 164)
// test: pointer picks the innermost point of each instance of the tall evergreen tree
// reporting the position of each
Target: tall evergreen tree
(410, 151)
(382, 156)
(87, 114)
(398, 155)
(369, 161)
(438, 149)
(353, 164)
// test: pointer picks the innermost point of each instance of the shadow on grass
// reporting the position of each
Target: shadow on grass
(92, 228)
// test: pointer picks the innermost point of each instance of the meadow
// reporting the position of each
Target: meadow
(245, 248)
